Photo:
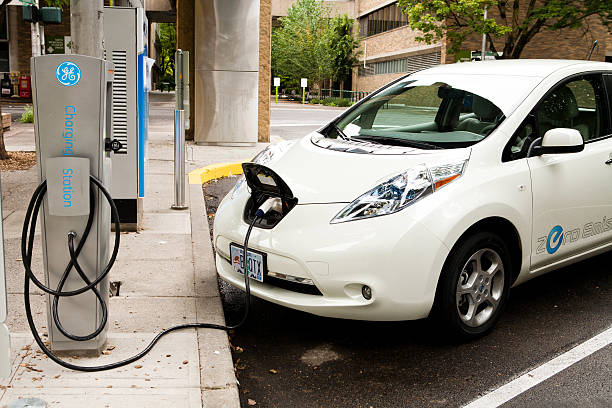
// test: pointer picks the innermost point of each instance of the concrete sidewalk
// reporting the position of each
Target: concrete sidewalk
(167, 276)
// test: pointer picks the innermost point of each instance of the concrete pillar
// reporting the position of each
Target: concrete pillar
(265, 66)
(185, 37)
(86, 27)
(226, 72)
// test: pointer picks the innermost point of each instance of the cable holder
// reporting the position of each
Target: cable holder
(27, 244)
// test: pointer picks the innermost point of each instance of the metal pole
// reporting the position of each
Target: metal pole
(179, 160)
(86, 27)
(484, 38)
(35, 29)
(178, 78)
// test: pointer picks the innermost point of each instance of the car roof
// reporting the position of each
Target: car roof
(518, 67)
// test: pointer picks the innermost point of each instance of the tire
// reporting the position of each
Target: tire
(474, 286)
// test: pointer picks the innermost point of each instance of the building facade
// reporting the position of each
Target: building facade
(390, 50)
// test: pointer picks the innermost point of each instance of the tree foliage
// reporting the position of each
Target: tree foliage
(310, 44)
(165, 39)
(517, 22)
(343, 45)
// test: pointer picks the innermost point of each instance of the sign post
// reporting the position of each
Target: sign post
(276, 85)
(304, 83)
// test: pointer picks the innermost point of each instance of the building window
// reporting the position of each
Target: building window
(401, 65)
(4, 45)
(384, 19)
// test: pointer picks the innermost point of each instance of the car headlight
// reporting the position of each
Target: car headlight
(400, 191)
(266, 156)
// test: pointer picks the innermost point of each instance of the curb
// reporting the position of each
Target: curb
(215, 171)
(218, 380)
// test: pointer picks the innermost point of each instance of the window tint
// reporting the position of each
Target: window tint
(577, 104)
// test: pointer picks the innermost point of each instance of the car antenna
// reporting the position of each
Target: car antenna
(592, 49)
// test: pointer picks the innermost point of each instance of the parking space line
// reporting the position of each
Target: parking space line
(521, 384)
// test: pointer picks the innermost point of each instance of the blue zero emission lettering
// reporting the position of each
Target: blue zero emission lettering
(555, 237)
(558, 236)
(67, 186)
(68, 73)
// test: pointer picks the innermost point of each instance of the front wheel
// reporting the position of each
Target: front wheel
(474, 285)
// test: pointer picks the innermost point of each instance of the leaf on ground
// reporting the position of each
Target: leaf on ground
(138, 366)
(251, 402)
(273, 371)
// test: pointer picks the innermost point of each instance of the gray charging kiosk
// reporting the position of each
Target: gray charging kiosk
(72, 97)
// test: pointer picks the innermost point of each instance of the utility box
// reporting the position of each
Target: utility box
(72, 108)
(125, 41)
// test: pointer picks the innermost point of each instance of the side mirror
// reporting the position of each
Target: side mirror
(559, 140)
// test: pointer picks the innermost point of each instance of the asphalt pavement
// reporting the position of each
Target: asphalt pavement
(292, 121)
(287, 358)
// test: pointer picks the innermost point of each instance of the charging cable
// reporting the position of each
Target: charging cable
(27, 244)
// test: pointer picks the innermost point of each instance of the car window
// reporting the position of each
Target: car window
(576, 104)
(436, 114)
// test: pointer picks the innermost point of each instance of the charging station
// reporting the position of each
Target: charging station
(72, 97)
(125, 36)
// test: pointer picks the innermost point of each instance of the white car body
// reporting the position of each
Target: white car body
(400, 256)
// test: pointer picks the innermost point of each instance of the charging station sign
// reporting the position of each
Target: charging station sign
(68, 186)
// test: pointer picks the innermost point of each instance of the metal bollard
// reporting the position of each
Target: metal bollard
(179, 160)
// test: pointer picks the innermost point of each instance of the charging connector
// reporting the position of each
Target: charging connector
(271, 204)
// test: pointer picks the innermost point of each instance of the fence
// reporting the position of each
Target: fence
(354, 96)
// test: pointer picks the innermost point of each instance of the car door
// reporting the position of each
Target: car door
(572, 192)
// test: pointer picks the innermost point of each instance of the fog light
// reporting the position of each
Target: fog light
(366, 291)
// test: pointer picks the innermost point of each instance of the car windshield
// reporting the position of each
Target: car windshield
(422, 113)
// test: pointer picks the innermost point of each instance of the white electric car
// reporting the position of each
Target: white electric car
(434, 195)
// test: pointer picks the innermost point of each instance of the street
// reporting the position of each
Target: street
(292, 121)
(287, 358)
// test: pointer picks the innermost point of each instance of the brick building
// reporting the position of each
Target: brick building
(389, 46)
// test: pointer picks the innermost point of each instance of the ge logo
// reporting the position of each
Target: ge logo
(555, 237)
(68, 73)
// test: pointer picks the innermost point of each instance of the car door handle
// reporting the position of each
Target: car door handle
(609, 161)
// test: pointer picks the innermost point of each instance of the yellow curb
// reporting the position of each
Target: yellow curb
(215, 171)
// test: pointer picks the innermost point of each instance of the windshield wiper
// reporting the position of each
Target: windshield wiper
(339, 131)
(394, 141)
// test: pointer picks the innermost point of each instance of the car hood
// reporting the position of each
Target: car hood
(320, 170)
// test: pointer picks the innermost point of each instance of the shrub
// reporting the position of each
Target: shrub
(27, 116)
(343, 102)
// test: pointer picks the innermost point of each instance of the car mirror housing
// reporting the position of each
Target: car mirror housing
(558, 140)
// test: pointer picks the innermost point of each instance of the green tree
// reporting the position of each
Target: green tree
(343, 45)
(518, 22)
(300, 46)
(165, 40)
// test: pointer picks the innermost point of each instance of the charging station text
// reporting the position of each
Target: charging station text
(67, 187)
(68, 134)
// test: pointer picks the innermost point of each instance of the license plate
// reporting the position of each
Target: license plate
(255, 262)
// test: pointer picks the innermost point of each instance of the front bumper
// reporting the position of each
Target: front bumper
(394, 255)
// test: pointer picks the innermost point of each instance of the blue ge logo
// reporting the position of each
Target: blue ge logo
(555, 237)
(68, 73)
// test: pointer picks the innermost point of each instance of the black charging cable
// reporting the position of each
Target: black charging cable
(27, 244)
